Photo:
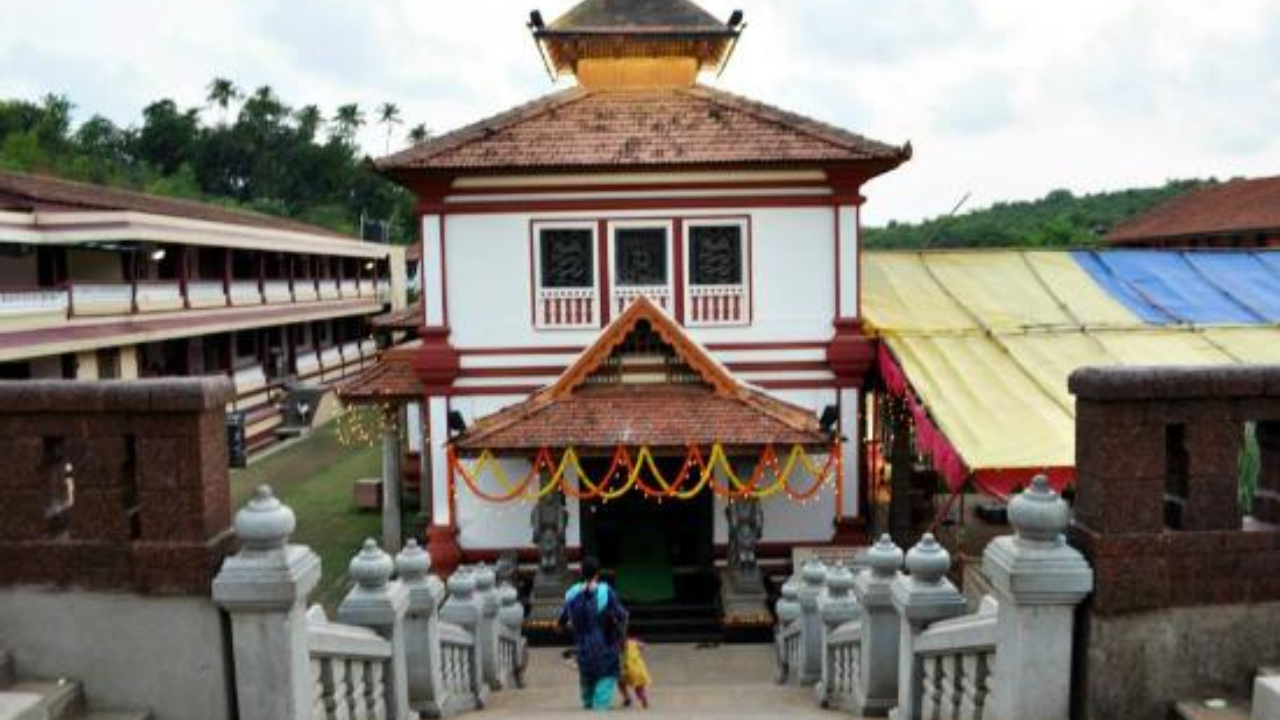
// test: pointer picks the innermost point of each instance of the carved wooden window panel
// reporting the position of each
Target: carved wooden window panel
(566, 258)
(715, 255)
(641, 256)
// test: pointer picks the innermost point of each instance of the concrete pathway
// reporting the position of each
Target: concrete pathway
(690, 683)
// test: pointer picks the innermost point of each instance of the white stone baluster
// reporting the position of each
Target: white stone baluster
(264, 588)
(878, 662)
(1038, 580)
(422, 629)
(921, 596)
(380, 604)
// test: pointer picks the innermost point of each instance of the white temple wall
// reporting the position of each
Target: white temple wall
(489, 277)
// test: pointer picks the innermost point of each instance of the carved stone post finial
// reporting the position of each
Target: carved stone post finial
(422, 629)
(264, 589)
(381, 605)
(878, 669)
(264, 523)
(921, 596)
(1038, 580)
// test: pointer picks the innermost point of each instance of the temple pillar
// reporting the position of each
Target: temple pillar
(437, 366)
(851, 353)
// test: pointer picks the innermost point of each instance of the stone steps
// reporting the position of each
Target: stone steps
(48, 699)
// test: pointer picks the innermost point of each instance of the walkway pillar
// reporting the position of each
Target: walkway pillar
(879, 667)
(264, 589)
(391, 481)
(922, 597)
(1038, 580)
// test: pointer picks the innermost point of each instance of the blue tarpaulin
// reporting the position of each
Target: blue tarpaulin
(1166, 287)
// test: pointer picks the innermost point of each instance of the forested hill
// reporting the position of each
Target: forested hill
(1059, 219)
(245, 150)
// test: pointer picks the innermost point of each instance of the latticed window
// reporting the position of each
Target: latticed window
(566, 258)
(641, 256)
(715, 255)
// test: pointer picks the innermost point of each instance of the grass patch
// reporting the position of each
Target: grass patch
(314, 476)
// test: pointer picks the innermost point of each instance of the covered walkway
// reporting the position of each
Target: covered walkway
(981, 342)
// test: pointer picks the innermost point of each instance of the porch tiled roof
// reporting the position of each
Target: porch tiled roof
(653, 127)
(389, 379)
(576, 412)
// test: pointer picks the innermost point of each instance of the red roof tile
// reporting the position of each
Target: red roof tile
(1238, 206)
(653, 127)
(25, 192)
(406, 318)
(390, 379)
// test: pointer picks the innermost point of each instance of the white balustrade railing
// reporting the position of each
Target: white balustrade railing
(384, 292)
(206, 294)
(304, 290)
(715, 305)
(789, 647)
(101, 298)
(329, 289)
(277, 291)
(154, 296)
(624, 296)
(308, 364)
(350, 289)
(459, 670)
(33, 302)
(955, 659)
(331, 363)
(842, 667)
(566, 308)
(245, 292)
(349, 669)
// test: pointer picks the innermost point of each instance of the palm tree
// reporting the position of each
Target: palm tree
(347, 119)
(309, 121)
(389, 115)
(419, 134)
(222, 92)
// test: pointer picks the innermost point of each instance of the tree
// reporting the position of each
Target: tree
(168, 136)
(419, 134)
(223, 92)
(389, 116)
(309, 119)
(347, 120)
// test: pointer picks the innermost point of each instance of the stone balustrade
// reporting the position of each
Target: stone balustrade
(799, 633)
(860, 655)
(404, 644)
(904, 644)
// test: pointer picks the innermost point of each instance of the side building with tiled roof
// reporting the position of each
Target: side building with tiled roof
(736, 221)
(100, 283)
(1241, 213)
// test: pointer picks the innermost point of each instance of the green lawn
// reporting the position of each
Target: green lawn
(314, 477)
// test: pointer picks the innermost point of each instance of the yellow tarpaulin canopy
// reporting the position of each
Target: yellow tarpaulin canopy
(987, 339)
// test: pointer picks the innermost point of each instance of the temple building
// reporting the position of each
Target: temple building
(641, 323)
(100, 283)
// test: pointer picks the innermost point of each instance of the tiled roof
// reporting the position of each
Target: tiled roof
(1232, 207)
(26, 192)
(650, 127)
(632, 16)
(574, 412)
(653, 415)
(389, 379)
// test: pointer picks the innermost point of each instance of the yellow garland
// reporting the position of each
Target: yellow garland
(488, 463)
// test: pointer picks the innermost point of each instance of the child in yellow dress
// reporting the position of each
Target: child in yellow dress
(635, 674)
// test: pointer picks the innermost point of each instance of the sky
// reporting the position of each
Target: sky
(1001, 99)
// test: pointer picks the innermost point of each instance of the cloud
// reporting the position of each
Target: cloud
(1007, 99)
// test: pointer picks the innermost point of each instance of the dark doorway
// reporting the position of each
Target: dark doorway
(658, 552)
